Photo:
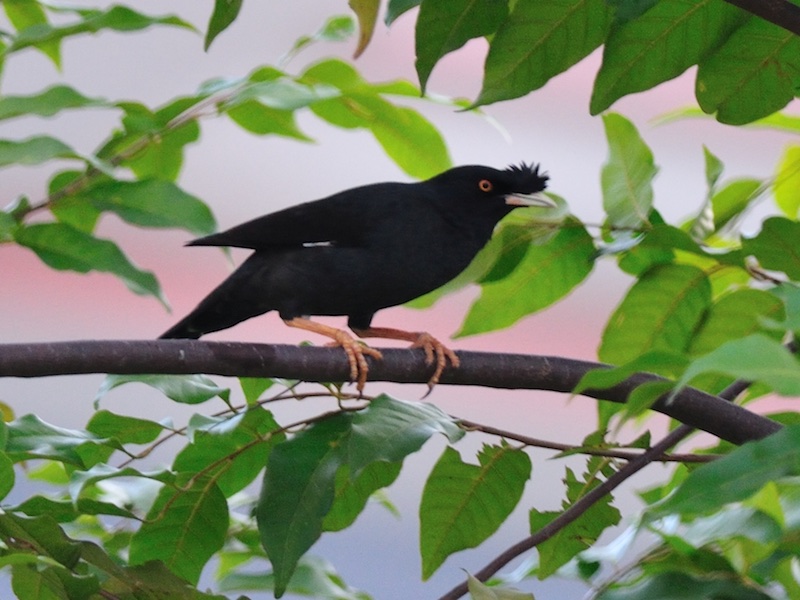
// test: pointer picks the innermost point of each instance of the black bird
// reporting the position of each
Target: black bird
(361, 250)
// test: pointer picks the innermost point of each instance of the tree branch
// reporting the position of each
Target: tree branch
(510, 371)
(779, 12)
(594, 495)
(622, 454)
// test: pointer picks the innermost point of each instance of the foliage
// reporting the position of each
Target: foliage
(708, 305)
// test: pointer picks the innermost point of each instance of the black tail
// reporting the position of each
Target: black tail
(181, 331)
(241, 296)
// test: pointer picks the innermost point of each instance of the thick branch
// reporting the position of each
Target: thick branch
(780, 12)
(509, 371)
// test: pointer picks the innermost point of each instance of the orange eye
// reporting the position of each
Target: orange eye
(485, 185)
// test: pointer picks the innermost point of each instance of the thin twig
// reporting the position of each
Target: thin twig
(592, 496)
(607, 452)
(192, 113)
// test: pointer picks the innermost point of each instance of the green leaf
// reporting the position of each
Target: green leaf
(531, 277)
(787, 183)
(753, 358)
(538, 41)
(7, 225)
(24, 13)
(660, 45)
(34, 151)
(367, 14)
(7, 476)
(666, 364)
(314, 578)
(29, 437)
(790, 296)
(151, 203)
(65, 511)
(446, 26)
(661, 363)
(643, 397)
(736, 476)
(335, 29)
(777, 246)
(627, 10)
(397, 8)
(282, 93)
(752, 75)
(671, 585)
(43, 534)
(777, 121)
(158, 140)
(265, 104)
(407, 137)
(29, 13)
(463, 504)
(67, 249)
(628, 175)
(70, 209)
(714, 168)
(47, 103)
(232, 458)
(253, 387)
(37, 584)
(298, 492)
(389, 430)
(128, 430)
(225, 13)
(186, 389)
(79, 481)
(264, 120)
(581, 533)
(184, 529)
(151, 580)
(481, 591)
(351, 494)
(735, 316)
(733, 199)
(660, 312)
(663, 236)
(116, 18)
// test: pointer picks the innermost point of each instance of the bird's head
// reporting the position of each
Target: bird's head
(518, 185)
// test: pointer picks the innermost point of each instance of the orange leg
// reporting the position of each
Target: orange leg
(355, 351)
(418, 339)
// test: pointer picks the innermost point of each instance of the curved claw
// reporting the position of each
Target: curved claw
(355, 351)
(434, 349)
(442, 353)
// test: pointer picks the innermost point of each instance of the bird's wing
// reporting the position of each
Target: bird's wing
(341, 220)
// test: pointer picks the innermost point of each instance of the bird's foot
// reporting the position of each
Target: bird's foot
(434, 349)
(355, 351)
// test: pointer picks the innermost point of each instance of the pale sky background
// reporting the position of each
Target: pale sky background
(242, 176)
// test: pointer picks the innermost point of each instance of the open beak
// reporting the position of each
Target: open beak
(537, 199)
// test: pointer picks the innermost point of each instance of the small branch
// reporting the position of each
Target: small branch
(607, 452)
(569, 515)
(508, 371)
(193, 113)
(583, 504)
